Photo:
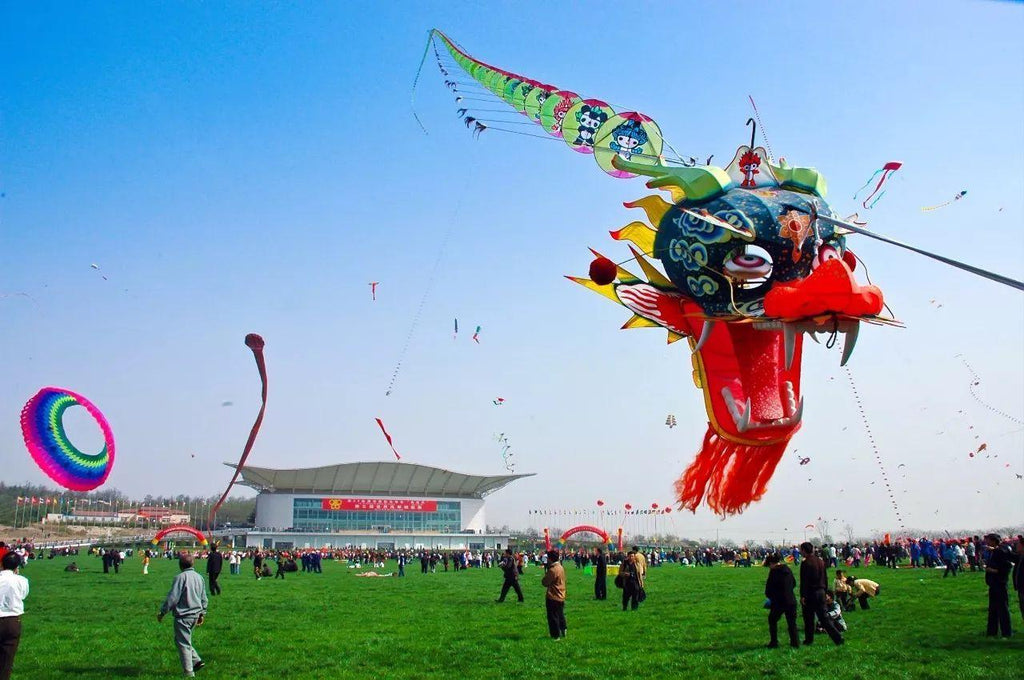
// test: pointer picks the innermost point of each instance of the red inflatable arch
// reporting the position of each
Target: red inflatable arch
(585, 528)
(180, 529)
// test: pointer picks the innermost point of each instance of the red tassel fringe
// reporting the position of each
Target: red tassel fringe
(727, 475)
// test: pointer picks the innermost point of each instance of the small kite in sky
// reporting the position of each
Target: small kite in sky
(373, 289)
(227, 403)
(500, 401)
(950, 201)
(97, 268)
(805, 461)
(476, 335)
(670, 421)
(456, 334)
(885, 171)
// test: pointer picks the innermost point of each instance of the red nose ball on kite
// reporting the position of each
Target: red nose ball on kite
(254, 341)
(603, 271)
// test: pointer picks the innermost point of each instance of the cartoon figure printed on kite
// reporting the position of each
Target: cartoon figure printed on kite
(628, 139)
(750, 164)
(561, 108)
(590, 118)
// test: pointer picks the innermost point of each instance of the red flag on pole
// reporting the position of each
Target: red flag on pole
(388, 437)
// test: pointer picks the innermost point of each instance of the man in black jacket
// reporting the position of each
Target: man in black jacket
(997, 571)
(600, 575)
(779, 591)
(214, 564)
(813, 582)
(508, 567)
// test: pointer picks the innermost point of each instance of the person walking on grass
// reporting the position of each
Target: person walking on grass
(13, 591)
(214, 565)
(554, 581)
(600, 575)
(813, 583)
(187, 603)
(508, 567)
(629, 576)
(257, 565)
(781, 601)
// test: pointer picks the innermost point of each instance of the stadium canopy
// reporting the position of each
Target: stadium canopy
(378, 479)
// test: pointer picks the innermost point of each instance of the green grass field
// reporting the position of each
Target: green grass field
(696, 623)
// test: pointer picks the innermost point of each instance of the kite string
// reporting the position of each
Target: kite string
(764, 134)
(976, 379)
(874, 446)
(416, 80)
(470, 176)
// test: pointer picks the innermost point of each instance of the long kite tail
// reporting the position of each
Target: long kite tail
(416, 80)
(255, 343)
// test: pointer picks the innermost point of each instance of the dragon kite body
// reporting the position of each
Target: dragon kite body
(752, 258)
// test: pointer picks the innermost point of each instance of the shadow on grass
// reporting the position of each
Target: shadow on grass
(106, 671)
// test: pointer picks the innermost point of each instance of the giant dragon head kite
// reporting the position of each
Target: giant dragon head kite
(753, 258)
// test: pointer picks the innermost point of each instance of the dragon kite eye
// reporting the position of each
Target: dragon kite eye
(752, 264)
(825, 253)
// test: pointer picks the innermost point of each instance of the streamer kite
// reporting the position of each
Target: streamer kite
(255, 343)
(42, 427)
(388, 437)
(949, 202)
(885, 171)
(373, 289)
(753, 258)
(476, 335)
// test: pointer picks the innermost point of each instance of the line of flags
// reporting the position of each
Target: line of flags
(640, 511)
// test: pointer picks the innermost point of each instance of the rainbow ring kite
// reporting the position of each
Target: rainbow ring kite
(43, 430)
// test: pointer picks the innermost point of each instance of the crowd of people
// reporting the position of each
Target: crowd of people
(822, 604)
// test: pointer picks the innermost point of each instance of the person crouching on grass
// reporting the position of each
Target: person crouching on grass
(554, 581)
(187, 602)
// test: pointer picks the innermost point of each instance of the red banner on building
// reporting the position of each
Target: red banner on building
(372, 504)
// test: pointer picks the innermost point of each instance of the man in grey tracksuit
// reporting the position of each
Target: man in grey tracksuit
(187, 602)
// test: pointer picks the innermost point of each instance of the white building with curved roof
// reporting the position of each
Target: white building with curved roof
(378, 505)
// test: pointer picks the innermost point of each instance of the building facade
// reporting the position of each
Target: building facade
(386, 505)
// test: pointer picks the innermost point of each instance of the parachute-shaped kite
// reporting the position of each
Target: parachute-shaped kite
(753, 258)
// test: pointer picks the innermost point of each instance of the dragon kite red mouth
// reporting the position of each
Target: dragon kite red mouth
(749, 371)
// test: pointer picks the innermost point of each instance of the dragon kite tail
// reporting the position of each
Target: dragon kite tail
(588, 126)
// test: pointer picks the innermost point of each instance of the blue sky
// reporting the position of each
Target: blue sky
(237, 167)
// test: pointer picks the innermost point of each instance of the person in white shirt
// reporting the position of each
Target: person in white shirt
(13, 591)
